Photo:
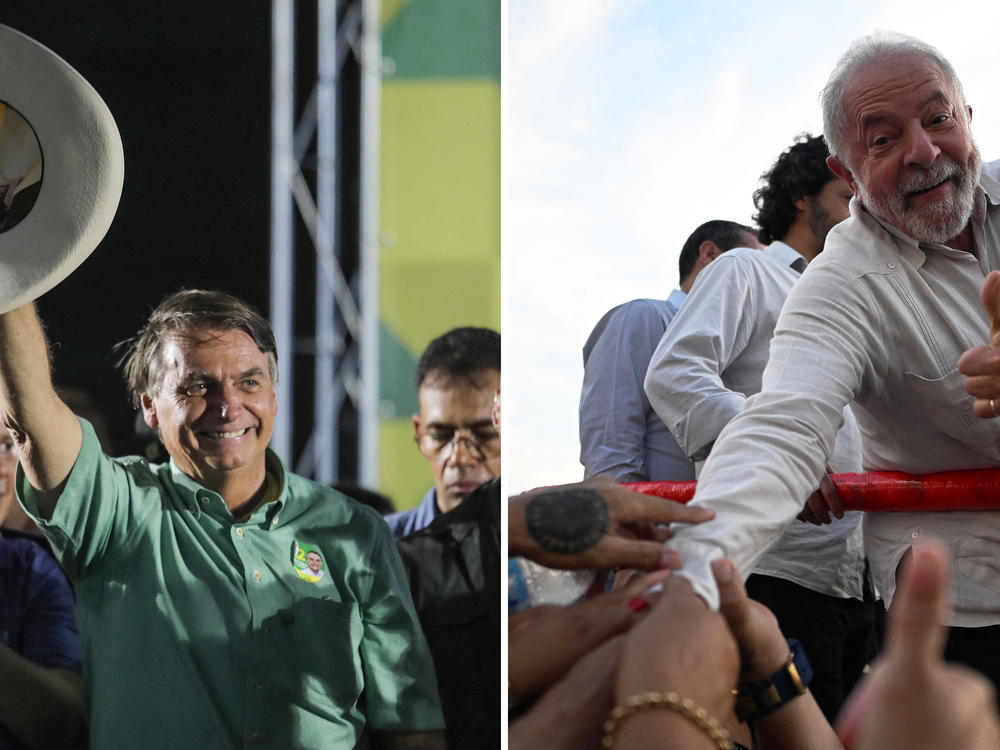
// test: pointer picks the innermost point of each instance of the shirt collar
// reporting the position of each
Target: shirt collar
(990, 181)
(677, 298)
(199, 498)
(914, 252)
(782, 253)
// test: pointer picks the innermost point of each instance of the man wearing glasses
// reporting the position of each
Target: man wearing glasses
(457, 377)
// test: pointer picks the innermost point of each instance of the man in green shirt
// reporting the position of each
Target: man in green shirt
(199, 627)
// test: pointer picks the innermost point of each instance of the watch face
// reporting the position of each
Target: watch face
(761, 698)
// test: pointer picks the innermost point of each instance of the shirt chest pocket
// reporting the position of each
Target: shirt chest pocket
(316, 649)
(945, 403)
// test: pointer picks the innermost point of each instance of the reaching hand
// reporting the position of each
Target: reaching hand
(596, 524)
(545, 641)
(763, 648)
(822, 502)
(913, 698)
(681, 645)
(799, 723)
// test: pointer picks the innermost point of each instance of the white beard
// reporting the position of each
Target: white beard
(940, 221)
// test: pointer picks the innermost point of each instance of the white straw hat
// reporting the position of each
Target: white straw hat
(82, 168)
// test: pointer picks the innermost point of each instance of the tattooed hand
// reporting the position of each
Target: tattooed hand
(596, 524)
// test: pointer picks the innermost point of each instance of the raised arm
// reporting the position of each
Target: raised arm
(46, 432)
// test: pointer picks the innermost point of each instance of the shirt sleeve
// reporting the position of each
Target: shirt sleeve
(613, 404)
(400, 685)
(684, 381)
(94, 513)
(50, 637)
(770, 457)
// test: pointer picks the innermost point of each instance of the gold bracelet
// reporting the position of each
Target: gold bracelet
(684, 706)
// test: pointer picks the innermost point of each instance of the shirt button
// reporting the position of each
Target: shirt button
(204, 498)
(256, 737)
(192, 508)
(892, 265)
(274, 521)
(239, 532)
(914, 534)
(256, 575)
(259, 683)
(265, 629)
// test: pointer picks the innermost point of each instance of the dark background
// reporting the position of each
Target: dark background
(189, 84)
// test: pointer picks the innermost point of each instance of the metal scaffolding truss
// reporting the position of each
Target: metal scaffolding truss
(309, 198)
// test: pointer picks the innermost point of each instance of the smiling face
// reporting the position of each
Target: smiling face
(911, 158)
(314, 561)
(214, 408)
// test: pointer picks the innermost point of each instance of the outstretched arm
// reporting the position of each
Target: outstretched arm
(47, 434)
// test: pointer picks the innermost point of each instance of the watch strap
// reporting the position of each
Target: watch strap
(765, 696)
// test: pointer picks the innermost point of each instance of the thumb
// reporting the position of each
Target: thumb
(916, 633)
(733, 600)
(991, 301)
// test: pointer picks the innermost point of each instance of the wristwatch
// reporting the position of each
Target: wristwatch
(761, 698)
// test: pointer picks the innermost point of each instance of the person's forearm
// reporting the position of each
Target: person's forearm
(43, 708)
(800, 724)
(47, 433)
(24, 362)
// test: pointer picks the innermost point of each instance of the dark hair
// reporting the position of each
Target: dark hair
(181, 314)
(461, 353)
(798, 172)
(725, 234)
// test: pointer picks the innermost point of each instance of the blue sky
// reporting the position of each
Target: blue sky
(630, 122)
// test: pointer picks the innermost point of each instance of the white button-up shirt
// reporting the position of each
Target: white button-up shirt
(710, 360)
(877, 321)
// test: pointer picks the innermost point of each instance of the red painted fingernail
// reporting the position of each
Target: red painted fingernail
(638, 604)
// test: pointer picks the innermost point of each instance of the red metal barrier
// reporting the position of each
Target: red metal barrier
(884, 490)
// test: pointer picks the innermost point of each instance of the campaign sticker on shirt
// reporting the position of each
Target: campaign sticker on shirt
(308, 562)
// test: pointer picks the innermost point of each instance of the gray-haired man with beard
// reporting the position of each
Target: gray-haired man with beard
(879, 321)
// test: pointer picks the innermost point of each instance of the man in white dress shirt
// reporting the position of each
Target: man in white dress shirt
(879, 321)
(711, 360)
(620, 433)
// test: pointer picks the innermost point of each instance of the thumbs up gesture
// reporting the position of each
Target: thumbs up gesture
(913, 699)
(981, 365)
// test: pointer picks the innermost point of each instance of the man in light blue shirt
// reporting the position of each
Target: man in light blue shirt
(620, 434)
